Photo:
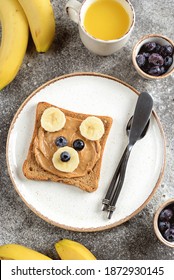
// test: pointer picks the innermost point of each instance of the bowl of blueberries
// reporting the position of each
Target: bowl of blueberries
(153, 56)
(164, 223)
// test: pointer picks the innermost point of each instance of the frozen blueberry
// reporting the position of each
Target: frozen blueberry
(140, 60)
(61, 141)
(163, 226)
(166, 50)
(154, 71)
(157, 48)
(146, 54)
(156, 59)
(166, 215)
(65, 156)
(146, 67)
(168, 60)
(172, 225)
(149, 47)
(163, 70)
(169, 235)
(170, 50)
(78, 144)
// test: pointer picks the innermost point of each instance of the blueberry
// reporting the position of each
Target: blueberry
(146, 54)
(163, 70)
(163, 226)
(149, 47)
(172, 225)
(169, 234)
(168, 60)
(61, 141)
(166, 215)
(170, 50)
(65, 156)
(154, 71)
(157, 48)
(140, 60)
(156, 59)
(166, 50)
(78, 144)
(146, 67)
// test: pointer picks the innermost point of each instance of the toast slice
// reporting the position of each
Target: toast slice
(32, 169)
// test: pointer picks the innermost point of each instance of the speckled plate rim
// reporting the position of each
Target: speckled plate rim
(90, 229)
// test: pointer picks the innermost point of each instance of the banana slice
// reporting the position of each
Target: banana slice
(92, 128)
(65, 159)
(53, 119)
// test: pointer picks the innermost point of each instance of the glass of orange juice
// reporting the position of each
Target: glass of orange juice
(104, 25)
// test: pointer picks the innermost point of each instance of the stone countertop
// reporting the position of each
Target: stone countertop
(134, 239)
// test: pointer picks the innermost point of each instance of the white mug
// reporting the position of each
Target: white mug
(76, 11)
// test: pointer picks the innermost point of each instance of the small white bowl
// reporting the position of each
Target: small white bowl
(160, 39)
(155, 224)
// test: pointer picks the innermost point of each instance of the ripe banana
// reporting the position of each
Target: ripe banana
(53, 119)
(92, 128)
(72, 250)
(41, 21)
(14, 40)
(66, 159)
(19, 252)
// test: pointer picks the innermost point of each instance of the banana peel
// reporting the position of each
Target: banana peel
(17, 18)
(14, 40)
(67, 250)
(72, 250)
(20, 252)
(41, 20)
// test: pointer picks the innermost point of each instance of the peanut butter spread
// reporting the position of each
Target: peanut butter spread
(44, 147)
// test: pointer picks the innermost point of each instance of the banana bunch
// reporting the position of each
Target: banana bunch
(66, 249)
(17, 18)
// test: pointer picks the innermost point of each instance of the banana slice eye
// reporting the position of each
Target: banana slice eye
(53, 119)
(92, 128)
(65, 159)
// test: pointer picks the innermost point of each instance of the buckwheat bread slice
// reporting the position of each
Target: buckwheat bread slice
(32, 170)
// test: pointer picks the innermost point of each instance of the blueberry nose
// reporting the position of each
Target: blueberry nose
(65, 156)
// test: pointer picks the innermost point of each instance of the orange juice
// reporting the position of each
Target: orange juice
(106, 20)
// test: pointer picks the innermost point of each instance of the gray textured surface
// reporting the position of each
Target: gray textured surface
(135, 239)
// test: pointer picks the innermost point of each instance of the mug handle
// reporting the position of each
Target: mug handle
(72, 9)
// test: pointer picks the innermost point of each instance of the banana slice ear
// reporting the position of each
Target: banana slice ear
(92, 128)
(53, 119)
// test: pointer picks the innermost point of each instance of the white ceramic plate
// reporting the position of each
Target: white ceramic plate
(67, 206)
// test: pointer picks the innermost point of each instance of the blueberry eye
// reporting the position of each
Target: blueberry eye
(78, 144)
(65, 156)
(61, 141)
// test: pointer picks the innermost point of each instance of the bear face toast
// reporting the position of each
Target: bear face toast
(67, 147)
